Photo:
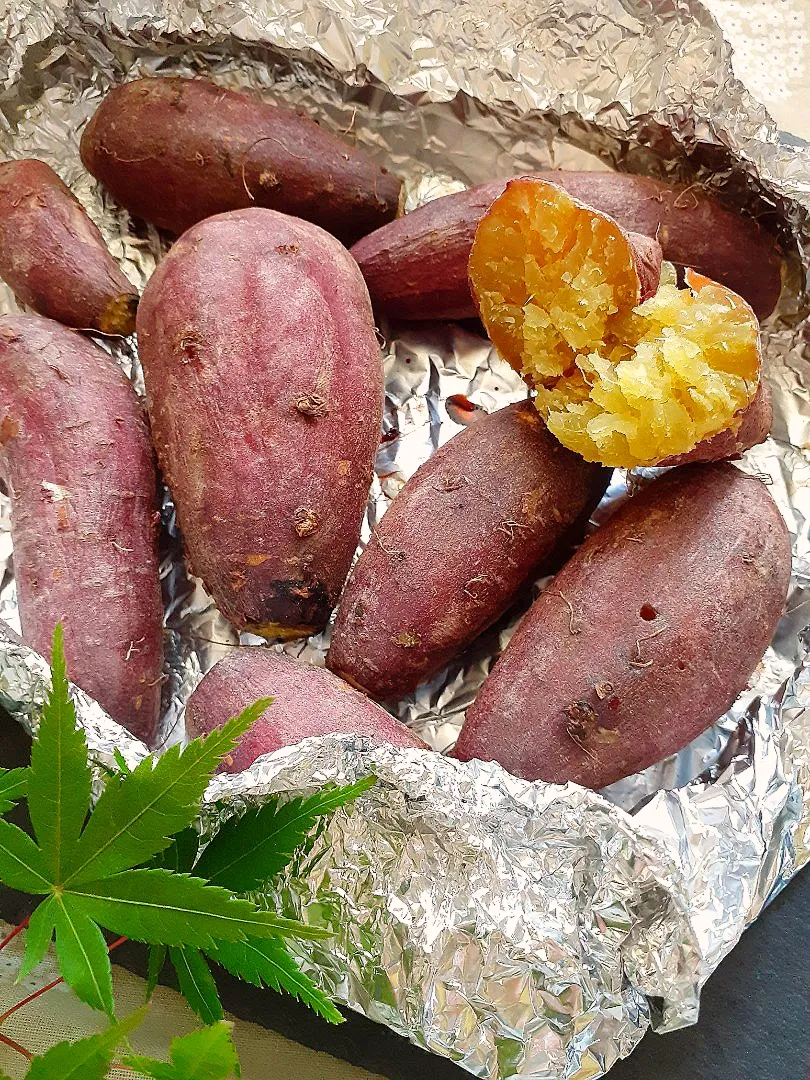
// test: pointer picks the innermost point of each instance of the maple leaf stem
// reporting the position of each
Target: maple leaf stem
(17, 930)
(6, 1041)
(44, 989)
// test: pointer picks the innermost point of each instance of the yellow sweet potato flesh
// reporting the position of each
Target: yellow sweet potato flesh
(619, 382)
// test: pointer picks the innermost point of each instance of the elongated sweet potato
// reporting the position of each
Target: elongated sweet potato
(307, 701)
(472, 526)
(416, 267)
(558, 288)
(265, 389)
(175, 151)
(644, 638)
(53, 256)
(79, 467)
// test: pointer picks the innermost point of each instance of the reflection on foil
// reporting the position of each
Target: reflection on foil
(518, 929)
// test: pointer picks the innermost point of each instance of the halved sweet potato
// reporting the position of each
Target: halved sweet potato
(618, 381)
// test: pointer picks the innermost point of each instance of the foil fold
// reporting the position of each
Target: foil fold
(522, 930)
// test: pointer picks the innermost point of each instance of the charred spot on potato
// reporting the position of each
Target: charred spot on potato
(190, 345)
(450, 483)
(288, 608)
(237, 579)
(406, 639)
(582, 717)
(311, 405)
(305, 521)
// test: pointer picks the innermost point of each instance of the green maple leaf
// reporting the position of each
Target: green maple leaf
(248, 851)
(197, 983)
(244, 854)
(156, 963)
(59, 784)
(267, 963)
(84, 863)
(208, 1054)
(87, 1059)
(13, 786)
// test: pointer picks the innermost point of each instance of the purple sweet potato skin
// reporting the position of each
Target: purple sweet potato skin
(644, 638)
(647, 258)
(53, 256)
(175, 151)
(477, 521)
(416, 267)
(78, 464)
(265, 390)
(307, 701)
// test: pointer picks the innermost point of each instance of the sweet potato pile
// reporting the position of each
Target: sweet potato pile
(264, 392)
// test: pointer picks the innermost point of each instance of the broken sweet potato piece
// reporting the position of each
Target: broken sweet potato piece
(626, 374)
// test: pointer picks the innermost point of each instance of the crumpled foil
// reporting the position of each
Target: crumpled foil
(519, 929)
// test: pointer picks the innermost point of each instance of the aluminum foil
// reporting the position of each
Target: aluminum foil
(519, 929)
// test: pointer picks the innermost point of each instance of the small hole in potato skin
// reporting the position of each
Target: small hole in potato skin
(681, 665)
(648, 612)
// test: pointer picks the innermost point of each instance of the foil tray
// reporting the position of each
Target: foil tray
(521, 930)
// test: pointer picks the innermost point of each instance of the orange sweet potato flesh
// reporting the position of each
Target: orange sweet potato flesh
(175, 151)
(644, 638)
(416, 266)
(79, 467)
(53, 256)
(618, 381)
(264, 385)
(307, 701)
(477, 522)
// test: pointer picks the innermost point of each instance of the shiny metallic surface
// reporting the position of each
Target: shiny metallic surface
(519, 929)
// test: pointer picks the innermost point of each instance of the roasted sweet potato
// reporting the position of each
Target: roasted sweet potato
(307, 701)
(644, 638)
(472, 526)
(264, 385)
(755, 425)
(175, 151)
(78, 464)
(416, 267)
(53, 256)
(558, 288)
